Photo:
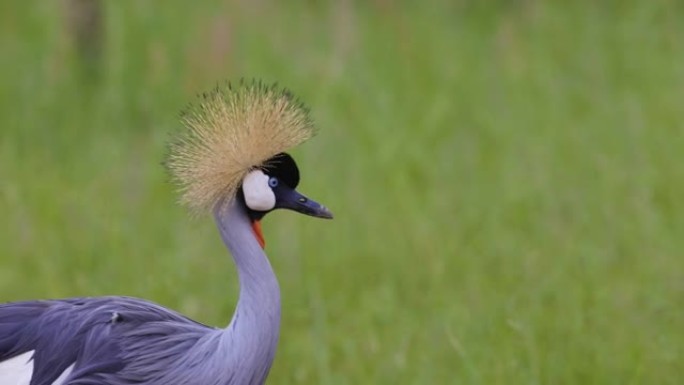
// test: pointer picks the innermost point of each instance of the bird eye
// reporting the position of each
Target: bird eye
(273, 182)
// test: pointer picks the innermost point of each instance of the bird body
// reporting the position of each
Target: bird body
(124, 340)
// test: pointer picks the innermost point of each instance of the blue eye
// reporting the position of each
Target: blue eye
(273, 182)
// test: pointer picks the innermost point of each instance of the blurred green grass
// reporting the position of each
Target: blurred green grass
(506, 178)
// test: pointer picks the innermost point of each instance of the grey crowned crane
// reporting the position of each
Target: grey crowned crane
(229, 160)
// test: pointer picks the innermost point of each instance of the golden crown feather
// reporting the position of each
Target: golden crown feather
(230, 131)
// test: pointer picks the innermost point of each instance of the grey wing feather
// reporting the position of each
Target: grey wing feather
(99, 335)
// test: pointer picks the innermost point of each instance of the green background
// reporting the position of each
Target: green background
(507, 180)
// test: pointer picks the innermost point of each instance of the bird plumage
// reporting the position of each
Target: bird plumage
(98, 333)
(125, 341)
(232, 133)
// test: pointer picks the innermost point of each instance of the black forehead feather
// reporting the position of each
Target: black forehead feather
(283, 167)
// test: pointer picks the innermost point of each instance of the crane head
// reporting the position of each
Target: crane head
(274, 187)
(233, 148)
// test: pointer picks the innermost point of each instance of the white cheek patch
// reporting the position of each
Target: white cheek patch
(258, 194)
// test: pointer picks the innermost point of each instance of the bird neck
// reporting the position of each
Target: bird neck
(252, 335)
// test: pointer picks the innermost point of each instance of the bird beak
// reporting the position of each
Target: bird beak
(293, 200)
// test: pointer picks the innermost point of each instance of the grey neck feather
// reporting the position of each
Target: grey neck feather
(249, 342)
